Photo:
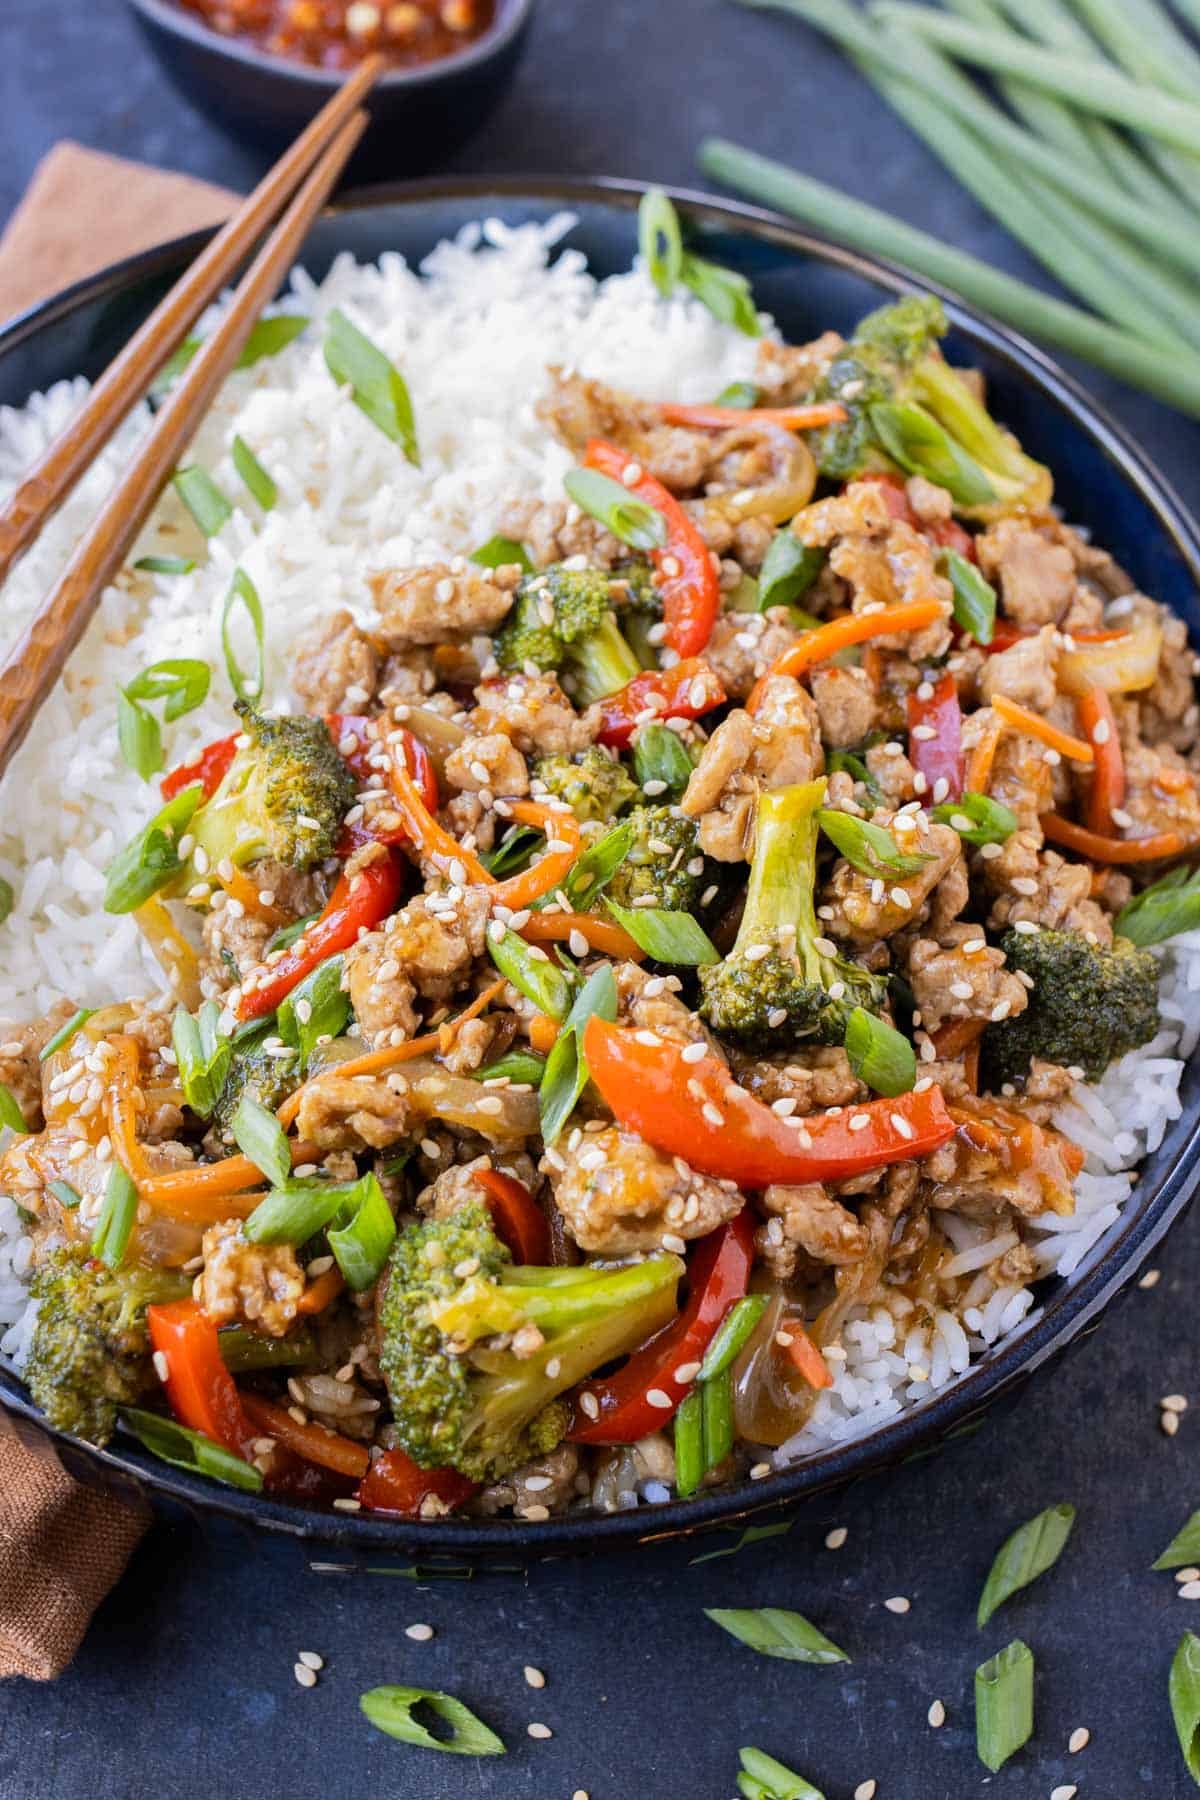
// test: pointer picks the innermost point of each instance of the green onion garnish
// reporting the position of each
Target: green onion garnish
(634, 521)
(788, 571)
(202, 497)
(316, 1008)
(727, 295)
(974, 596)
(501, 552)
(879, 1054)
(267, 338)
(659, 755)
(361, 1245)
(65, 1033)
(1184, 1690)
(524, 1066)
(182, 682)
(1004, 1704)
(913, 438)
(152, 858)
(690, 1466)
(566, 1070)
(1184, 1547)
(731, 1334)
(1032, 1549)
(529, 968)
(849, 763)
(202, 1056)
(166, 565)
(742, 394)
(286, 936)
(259, 1135)
(7, 899)
(591, 873)
(871, 849)
(10, 1113)
(243, 1349)
(186, 1449)
(668, 937)
(260, 485)
(66, 1195)
(978, 819)
(762, 1778)
(753, 1534)
(295, 1211)
(513, 851)
(243, 592)
(1160, 912)
(110, 1240)
(716, 1398)
(773, 1631)
(660, 240)
(377, 388)
(391, 1709)
(139, 737)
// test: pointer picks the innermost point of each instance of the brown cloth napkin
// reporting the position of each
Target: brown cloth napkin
(64, 1545)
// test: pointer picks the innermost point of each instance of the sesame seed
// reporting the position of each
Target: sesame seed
(1065, 1792)
(973, 946)
(760, 1470)
(693, 1053)
(670, 1241)
(860, 1121)
(923, 733)
(1182, 1575)
(1170, 1423)
(936, 1715)
(713, 1114)
(347, 1505)
(900, 897)
(162, 1367)
(590, 1404)
(670, 567)
(899, 1124)
(866, 1790)
(1150, 1279)
(1189, 1590)
(534, 1677)
(1101, 731)
(631, 474)
(1079, 1740)
(1025, 927)
(777, 1017)
(305, 1676)
(686, 1372)
(898, 1604)
(1121, 817)
(420, 1634)
(537, 1730)
(1175, 1403)
(756, 952)
(311, 1660)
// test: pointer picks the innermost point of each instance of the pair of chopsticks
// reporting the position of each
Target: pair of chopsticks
(304, 176)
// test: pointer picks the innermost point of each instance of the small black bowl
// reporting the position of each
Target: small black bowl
(418, 116)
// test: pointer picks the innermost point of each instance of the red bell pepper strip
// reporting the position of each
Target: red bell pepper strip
(717, 1275)
(684, 692)
(688, 580)
(209, 769)
(697, 1111)
(199, 1387)
(313, 1443)
(935, 739)
(519, 1221)
(1106, 792)
(354, 906)
(947, 534)
(394, 1483)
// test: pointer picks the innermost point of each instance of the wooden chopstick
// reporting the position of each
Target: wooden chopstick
(35, 663)
(126, 379)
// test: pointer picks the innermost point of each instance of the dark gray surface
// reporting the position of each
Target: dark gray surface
(184, 1684)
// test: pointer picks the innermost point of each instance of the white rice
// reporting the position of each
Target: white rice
(473, 332)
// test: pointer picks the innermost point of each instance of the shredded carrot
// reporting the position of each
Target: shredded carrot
(240, 887)
(872, 666)
(543, 1032)
(789, 418)
(1161, 846)
(321, 1293)
(1170, 780)
(434, 843)
(806, 1356)
(979, 768)
(970, 1064)
(204, 1209)
(121, 1106)
(604, 935)
(188, 1187)
(1106, 792)
(314, 1443)
(839, 634)
(1021, 719)
(546, 874)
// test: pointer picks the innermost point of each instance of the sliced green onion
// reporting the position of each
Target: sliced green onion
(295, 1211)
(788, 571)
(978, 819)
(391, 1709)
(773, 1631)
(243, 1349)
(752, 1535)
(316, 1008)
(182, 682)
(377, 387)
(1160, 912)
(1184, 1690)
(591, 873)
(110, 1240)
(65, 1033)
(1004, 1704)
(913, 438)
(660, 240)
(267, 338)
(879, 1054)
(202, 497)
(659, 755)
(139, 737)
(500, 553)
(726, 295)
(202, 1056)
(11, 1115)
(361, 1245)
(974, 596)
(717, 1399)
(632, 520)
(519, 1066)
(152, 858)
(668, 937)
(731, 1334)
(7, 899)
(529, 968)
(762, 1778)
(847, 762)
(513, 851)
(871, 849)
(243, 592)
(1184, 1547)
(566, 1072)
(742, 394)
(66, 1195)
(260, 485)
(689, 1444)
(259, 1135)
(166, 565)
(186, 1449)
(287, 935)
(1032, 1549)
(396, 1164)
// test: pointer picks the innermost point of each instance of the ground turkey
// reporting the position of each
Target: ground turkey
(617, 1195)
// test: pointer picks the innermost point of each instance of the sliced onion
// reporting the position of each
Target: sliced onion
(1119, 665)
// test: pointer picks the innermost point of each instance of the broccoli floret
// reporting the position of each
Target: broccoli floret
(284, 795)
(90, 1352)
(661, 863)
(1087, 1005)
(253, 1071)
(814, 990)
(563, 619)
(909, 409)
(634, 589)
(461, 1396)
(594, 785)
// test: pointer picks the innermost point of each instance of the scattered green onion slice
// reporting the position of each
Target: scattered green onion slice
(974, 596)
(632, 520)
(518, 1066)
(1004, 1704)
(139, 737)
(186, 1449)
(295, 1211)
(65, 1033)
(773, 1631)
(259, 1135)
(690, 1467)
(166, 565)
(152, 858)
(849, 763)
(361, 1245)
(391, 1709)
(243, 592)
(591, 873)
(110, 1240)
(731, 1334)
(668, 937)
(566, 1071)
(753, 1534)
(660, 755)
(871, 849)
(202, 497)
(1184, 1690)
(500, 552)
(7, 899)
(716, 1398)
(287, 935)
(1032, 1549)
(726, 295)
(660, 240)
(66, 1195)
(243, 1349)
(377, 387)
(316, 1008)
(742, 394)
(183, 683)
(10, 1113)
(202, 1056)
(260, 485)
(879, 1054)
(267, 338)
(978, 819)
(1160, 912)
(913, 438)
(537, 975)
(762, 1778)
(513, 851)
(1184, 1547)
(788, 571)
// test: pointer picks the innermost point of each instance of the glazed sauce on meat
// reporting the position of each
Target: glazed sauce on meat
(337, 34)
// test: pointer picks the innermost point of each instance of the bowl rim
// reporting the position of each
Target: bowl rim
(173, 19)
(1077, 1305)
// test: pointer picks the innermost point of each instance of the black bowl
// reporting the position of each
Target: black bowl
(418, 116)
(1103, 479)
